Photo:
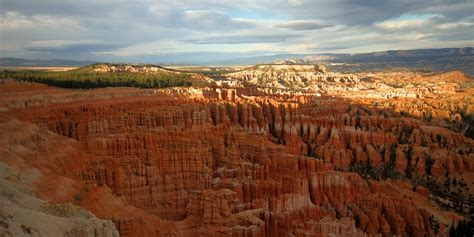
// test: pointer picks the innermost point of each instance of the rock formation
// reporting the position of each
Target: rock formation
(121, 68)
(290, 76)
(239, 160)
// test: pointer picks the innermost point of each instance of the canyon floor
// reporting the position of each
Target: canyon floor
(267, 150)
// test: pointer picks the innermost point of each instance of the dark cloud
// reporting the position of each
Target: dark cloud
(197, 57)
(367, 12)
(203, 20)
(130, 14)
(451, 10)
(83, 8)
(242, 39)
(72, 47)
(454, 32)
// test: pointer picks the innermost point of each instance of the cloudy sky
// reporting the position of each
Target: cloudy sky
(188, 30)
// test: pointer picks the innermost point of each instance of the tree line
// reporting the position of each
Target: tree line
(85, 79)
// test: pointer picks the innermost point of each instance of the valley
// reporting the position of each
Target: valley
(264, 150)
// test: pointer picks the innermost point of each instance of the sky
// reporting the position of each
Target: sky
(199, 31)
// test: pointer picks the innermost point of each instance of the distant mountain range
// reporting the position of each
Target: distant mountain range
(435, 60)
(430, 60)
(19, 62)
(390, 55)
(444, 59)
(415, 53)
(396, 55)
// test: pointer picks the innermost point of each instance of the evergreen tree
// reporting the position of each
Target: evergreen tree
(86, 79)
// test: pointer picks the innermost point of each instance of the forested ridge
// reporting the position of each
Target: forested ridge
(89, 79)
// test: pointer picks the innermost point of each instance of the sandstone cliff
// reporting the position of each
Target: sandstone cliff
(236, 161)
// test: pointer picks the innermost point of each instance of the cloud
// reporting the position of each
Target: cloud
(109, 28)
(204, 20)
(242, 39)
(13, 20)
(71, 46)
(403, 24)
(455, 10)
(328, 48)
(303, 25)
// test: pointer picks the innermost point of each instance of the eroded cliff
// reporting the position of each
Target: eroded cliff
(238, 161)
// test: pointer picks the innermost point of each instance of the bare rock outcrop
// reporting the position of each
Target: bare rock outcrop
(24, 214)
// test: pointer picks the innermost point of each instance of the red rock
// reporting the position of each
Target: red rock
(221, 162)
(423, 191)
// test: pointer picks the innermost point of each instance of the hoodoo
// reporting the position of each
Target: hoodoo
(232, 159)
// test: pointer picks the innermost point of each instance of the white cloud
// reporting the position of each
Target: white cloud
(13, 20)
(303, 25)
(402, 24)
(448, 26)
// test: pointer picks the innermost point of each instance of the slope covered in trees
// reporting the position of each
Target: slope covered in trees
(92, 79)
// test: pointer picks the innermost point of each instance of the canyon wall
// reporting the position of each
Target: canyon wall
(238, 161)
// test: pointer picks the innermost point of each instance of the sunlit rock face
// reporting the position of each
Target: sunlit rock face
(121, 68)
(234, 159)
(291, 76)
(374, 85)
